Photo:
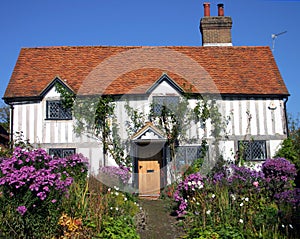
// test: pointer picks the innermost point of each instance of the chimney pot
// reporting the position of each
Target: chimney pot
(206, 9)
(220, 9)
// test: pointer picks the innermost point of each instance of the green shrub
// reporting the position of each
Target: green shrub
(118, 228)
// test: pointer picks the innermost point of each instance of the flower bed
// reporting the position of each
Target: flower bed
(241, 204)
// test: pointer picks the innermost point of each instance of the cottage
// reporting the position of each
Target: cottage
(243, 82)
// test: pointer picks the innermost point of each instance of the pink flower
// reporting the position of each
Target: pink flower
(255, 184)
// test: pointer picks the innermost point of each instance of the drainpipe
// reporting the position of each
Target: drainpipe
(285, 100)
(11, 125)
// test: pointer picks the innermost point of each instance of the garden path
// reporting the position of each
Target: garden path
(160, 223)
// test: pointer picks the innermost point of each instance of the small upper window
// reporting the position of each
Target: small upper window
(56, 111)
(253, 149)
(170, 102)
(61, 152)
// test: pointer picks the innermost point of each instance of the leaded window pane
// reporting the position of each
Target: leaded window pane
(61, 152)
(253, 149)
(186, 155)
(170, 102)
(56, 110)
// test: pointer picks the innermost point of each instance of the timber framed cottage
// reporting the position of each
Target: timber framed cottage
(250, 93)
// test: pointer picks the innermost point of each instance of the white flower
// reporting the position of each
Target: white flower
(241, 204)
(233, 197)
(111, 208)
(283, 226)
(189, 183)
(247, 199)
(125, 199)
(199, 183)
(241, 221)
(197, 203)
(213, 196)
(116, 193)
(193, 182)
(193, 189)
(201, 186)
(141, 208)
(117, 209)
(208, 212)
(109, 189)
(194, 199)
(242, 198)
(291, 226)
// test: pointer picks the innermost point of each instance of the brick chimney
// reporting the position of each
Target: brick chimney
(215, 30)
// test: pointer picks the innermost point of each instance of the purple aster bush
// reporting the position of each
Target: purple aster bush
(187, 188)
(242, 179)
(33, 185)
(115, 175)
(279, 175)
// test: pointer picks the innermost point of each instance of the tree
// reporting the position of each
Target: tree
(290, 147)
(4, 117)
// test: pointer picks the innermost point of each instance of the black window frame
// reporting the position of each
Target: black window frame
(62, 114)
(250, 149)
(61, 152)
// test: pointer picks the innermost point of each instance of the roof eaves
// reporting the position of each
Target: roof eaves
(165, 77)
(56, 80)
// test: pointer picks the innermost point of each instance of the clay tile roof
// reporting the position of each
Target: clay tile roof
(120, 70)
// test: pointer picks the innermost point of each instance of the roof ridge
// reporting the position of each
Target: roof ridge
(144, 47)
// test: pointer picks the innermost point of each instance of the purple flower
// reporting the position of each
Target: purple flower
(120, 173)
(190, 184)
(21, 210)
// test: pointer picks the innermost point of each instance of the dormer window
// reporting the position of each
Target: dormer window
(170, 102)
(57, 111)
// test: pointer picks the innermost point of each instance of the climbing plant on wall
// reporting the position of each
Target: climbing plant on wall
(94, 116)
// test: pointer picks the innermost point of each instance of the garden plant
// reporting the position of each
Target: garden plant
(50, 197)
(239, 202)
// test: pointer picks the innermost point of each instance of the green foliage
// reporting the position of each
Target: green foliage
(223, 231)
(290, 147)
(197, 164)
(235, 207)
(118, 228)
(137, 119)
(67, 96)
(289, 151)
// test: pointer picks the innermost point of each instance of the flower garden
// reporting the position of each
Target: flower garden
(46, 197)
(237, 202)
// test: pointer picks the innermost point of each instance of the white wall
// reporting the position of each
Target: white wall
(267, 123)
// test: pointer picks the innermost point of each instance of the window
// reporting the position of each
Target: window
(61, 152)
(186, 155)
(253, 149)
(56, 110)
(170, 102)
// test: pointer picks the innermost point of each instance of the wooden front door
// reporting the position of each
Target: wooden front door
(149, 177)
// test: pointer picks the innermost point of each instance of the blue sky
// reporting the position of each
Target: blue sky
(35, 23)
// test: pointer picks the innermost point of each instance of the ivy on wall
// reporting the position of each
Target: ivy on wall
(96, 117)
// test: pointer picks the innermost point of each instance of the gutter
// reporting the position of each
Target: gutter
(285, 100)
(11, 125)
